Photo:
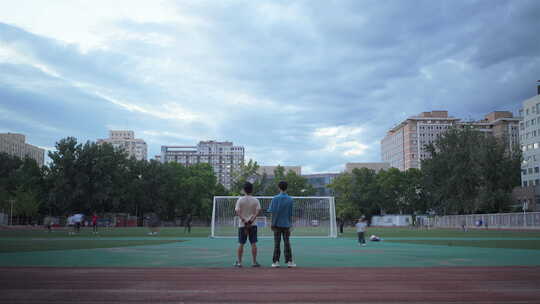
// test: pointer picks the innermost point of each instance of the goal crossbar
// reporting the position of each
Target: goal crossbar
(313, 217)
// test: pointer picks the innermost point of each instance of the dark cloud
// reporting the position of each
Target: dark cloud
(270, 75)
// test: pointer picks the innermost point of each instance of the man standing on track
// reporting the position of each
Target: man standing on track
(281, 209)
(247, 208)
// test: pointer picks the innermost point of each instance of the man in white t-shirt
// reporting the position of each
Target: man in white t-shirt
(360, 230)
(247, 208)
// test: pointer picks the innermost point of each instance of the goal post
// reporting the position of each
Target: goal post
(312, 217)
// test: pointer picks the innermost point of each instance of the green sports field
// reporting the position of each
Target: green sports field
(133, 247)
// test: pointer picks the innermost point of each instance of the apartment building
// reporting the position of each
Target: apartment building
(404, 145)
(15, 144)
(125, 140)
(530, 141)
(224, 157)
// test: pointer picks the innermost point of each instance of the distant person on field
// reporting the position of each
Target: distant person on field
(188, 224)
(47, 222)
(341, 224)
(281, 208)
(361, 230)
(154, 223)
(94, 223)
(247, 208)
(463, 226)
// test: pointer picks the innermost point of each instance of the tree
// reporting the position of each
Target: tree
(247, 172)
(392, 190)
(469, 172)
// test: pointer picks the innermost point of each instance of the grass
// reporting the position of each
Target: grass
(26, 245)
(511, 244)
(39, 239)
(165, 232)
(443, 233)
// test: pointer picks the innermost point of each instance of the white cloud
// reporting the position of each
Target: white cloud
(341, 139)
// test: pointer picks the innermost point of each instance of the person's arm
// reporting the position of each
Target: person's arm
(237, 209)
(272, 206)
(257, 211)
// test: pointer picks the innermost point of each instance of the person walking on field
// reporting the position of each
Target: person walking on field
(247, 208)
(281, 209)
(361, 230)
(94, 223)
(188, 223)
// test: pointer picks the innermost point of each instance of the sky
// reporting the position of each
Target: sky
(309, 83)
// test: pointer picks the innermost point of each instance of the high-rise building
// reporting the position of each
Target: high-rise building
(222, 156)
(529, 129)
(14, 144)
(125, 140)
(403, 146)
(501, 124)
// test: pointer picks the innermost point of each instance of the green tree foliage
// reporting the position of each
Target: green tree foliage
(21, 180)
(98, 178)
(247, 172)
(470, 172)
(358, 193)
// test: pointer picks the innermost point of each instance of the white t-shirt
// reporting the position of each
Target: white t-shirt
(247, 206)
(361, 227)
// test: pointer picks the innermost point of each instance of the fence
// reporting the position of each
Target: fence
(529, 220)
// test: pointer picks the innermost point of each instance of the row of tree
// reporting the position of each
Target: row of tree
(468, 172)
(91, 178)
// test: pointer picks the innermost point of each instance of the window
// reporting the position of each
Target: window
(525, 184)
(530, 170)
(524, 171)
(536, 169)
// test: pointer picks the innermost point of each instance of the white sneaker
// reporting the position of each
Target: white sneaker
(275, 265)
(291, 264)
(364, 244)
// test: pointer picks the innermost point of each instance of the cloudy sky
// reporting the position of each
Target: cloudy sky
(310, 83)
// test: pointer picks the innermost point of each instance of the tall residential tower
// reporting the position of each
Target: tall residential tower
(222, 156)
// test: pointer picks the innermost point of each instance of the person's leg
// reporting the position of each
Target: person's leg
(242, 238)
(189, 228)
(239, 253)
(253, 240)
(359, 237)
(362, 238)
(277, 245)
(287, 245)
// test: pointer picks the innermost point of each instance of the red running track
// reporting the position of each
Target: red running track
(250, 285)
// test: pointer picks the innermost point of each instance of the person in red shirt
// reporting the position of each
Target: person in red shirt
(94, 223)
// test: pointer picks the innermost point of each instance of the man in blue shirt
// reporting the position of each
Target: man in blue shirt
(281, 209)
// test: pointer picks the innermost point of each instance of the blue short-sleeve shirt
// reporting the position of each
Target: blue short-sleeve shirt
(281, 209)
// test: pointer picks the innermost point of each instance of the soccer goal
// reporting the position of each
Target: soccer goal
(312, 217)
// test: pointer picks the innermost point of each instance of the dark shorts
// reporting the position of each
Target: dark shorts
(242, 235)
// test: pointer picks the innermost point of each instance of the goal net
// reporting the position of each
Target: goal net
(312, 217)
